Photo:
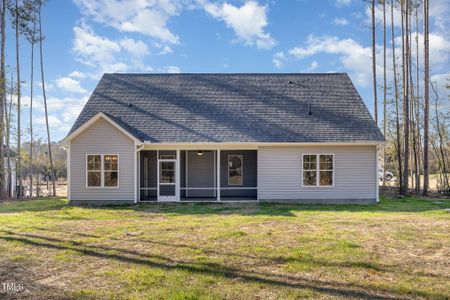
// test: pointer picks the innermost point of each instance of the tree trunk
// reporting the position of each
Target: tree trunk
(413, 97)
(374, 65)
(31, 117)
(397, 118)
(19, 159)
(45, 102)
(426, 97)
(384, 88)
(3, 184)
(406, 123)
(8, 139)
(417, 102)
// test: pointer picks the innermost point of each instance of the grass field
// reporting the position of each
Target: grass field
(399, 249)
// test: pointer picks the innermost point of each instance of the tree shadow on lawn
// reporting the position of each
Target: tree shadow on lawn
(408, 204)
(271, 259)
(332, 288)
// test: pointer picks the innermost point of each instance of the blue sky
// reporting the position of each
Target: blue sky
(85, 38)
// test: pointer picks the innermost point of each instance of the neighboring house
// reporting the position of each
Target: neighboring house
(223, 137)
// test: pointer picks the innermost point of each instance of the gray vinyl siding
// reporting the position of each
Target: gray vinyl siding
(102, 138)
(280, 174)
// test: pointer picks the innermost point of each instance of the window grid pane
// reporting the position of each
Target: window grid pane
(326, 170)
(94, 162)
(111, 178)
(111, 162)
(310, 170)
(94, 178)
(326, 178)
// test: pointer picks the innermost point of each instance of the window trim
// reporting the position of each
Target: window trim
(318, 171)
(242, 170)
(102, 171)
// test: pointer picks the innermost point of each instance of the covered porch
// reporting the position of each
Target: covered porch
(190, 175)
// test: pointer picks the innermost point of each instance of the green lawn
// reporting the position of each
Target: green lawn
(398, 249)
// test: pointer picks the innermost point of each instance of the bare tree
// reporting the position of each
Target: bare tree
(3, 176)
(406, 121)
(41, 38)
(374, 63)
(32, 38)
(441, 153)
(19, 159)
(396, 95)
(8, 136)
(384, 86)
(426, 95)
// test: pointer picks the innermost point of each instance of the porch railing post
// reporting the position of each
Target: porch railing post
(218, 174)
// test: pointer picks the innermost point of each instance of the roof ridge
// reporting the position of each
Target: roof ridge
(237, 73)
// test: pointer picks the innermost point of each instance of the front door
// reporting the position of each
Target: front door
(167, 190)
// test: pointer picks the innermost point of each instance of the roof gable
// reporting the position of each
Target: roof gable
(208, 108)
(101, 115)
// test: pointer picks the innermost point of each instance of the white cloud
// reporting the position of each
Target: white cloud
(172, 69)
(92, 49)
(439, 49)
(137, 49)
(248, 22)
(340, 21)
(354, 57)
(77, 74)
(165, 50)
(70, 85)
(102, 53)
(279, 59)
(52, 121)
(439, 13)
(313, 66)
(343, 2)
(148, 17)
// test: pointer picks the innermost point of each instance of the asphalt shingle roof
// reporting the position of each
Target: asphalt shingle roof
(185, 108)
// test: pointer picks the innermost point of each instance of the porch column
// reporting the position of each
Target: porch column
(218, 174)
(178, 176)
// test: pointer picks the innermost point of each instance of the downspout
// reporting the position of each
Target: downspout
(137, 182)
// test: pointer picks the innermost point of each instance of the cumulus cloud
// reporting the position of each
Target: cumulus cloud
(70, 85)
(279, 59)
(101, 52)
(343, 2)
(135, 48)
(313, 66)
(340, 21)
(248, 22)
(90, 48)
(141, 16)
(172, 69)
(353, 56)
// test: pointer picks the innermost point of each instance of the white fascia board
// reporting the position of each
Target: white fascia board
(212, 146)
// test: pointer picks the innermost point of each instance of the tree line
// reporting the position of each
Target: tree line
(408, 126)
(24, 19)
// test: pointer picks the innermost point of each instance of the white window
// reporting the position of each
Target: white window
(318, 170)
(235, 163)
(102, 170)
